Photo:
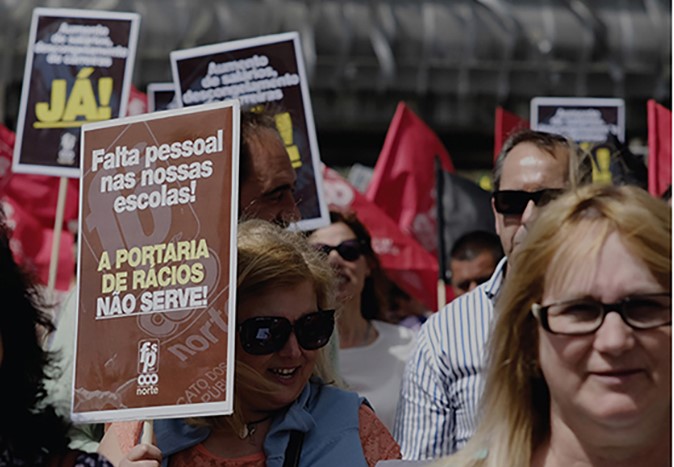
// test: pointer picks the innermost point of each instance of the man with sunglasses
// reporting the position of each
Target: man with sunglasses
(442, 383)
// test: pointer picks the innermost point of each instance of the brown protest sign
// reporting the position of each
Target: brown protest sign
(78, 70)
(157, 265)
(262, 70)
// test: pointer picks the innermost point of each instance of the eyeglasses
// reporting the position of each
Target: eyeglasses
(514, 202)
(576, 317)
(350, 250)
(264, 335)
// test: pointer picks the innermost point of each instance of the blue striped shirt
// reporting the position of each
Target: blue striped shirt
(442, 382)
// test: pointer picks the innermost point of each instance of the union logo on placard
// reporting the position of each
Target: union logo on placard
(148, 367)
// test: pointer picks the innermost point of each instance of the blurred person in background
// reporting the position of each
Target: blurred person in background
(372, 353)
(405, 310)
(580, 364)
(472, 261)
(285, 408)
(266, 176)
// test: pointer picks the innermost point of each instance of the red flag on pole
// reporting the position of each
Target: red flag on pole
(29, 202)
(404, 177)
(659, 148)
(404, 261)
(31, 245)
(505, 123)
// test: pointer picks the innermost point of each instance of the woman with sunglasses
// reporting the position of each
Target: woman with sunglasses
(285, 409)
(372, 353)
(580, 357)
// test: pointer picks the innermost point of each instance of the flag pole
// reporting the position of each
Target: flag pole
(56, 238)
(442, 266)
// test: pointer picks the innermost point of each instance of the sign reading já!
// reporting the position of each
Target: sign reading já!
(78, 70)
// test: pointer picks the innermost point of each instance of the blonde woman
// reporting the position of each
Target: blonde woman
(580, 358)
(286, 410)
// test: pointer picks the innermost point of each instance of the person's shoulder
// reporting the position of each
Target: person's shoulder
(395, 331)
(480, 298)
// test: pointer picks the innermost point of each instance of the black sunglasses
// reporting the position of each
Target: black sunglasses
(350, 250)
(514, 202)
(263, 335)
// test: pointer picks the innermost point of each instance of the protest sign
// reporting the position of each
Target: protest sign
(584, 120)
(157, 265)
(161, 96)
(78, 70)
(265, 70)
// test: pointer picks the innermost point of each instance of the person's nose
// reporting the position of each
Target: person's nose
(529, 213)
(292, 348)
(614, 336)
(288, 212)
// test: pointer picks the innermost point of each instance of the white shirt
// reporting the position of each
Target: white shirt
(442, 384)
(375, 371)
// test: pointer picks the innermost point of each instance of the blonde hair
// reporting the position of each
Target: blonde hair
(269, 258)
(515, 405)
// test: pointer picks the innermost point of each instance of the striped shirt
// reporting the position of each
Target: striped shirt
(442, 382)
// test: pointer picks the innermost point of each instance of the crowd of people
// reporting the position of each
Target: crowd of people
(528, 366)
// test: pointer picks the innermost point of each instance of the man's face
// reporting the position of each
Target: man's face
(468, 274)
(531, 169)
(267, 192)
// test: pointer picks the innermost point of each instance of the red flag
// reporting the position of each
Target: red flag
(7, 138)
(505, 123)
(404, 261)
(31, 245)
(137, 102)
(404, 177)
(36, 193)
(659, 148)
(29, 202)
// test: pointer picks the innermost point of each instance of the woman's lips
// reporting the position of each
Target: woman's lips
(617, 376)
(286, 375)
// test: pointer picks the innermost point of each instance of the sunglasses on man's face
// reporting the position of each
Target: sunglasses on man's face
(514, 202)
(350, 250)
(264, 335)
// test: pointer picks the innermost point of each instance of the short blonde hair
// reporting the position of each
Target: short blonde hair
(515, 406)
(269, 258)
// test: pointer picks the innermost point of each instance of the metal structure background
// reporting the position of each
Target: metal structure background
(453, 61)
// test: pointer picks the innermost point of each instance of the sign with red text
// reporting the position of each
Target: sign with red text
(266, 70)
(157, 265)
(78, 70)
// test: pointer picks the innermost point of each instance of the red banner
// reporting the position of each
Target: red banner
(659, 148)
(404, 177)
(404, 261)
(29, 202)
(505, 123)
